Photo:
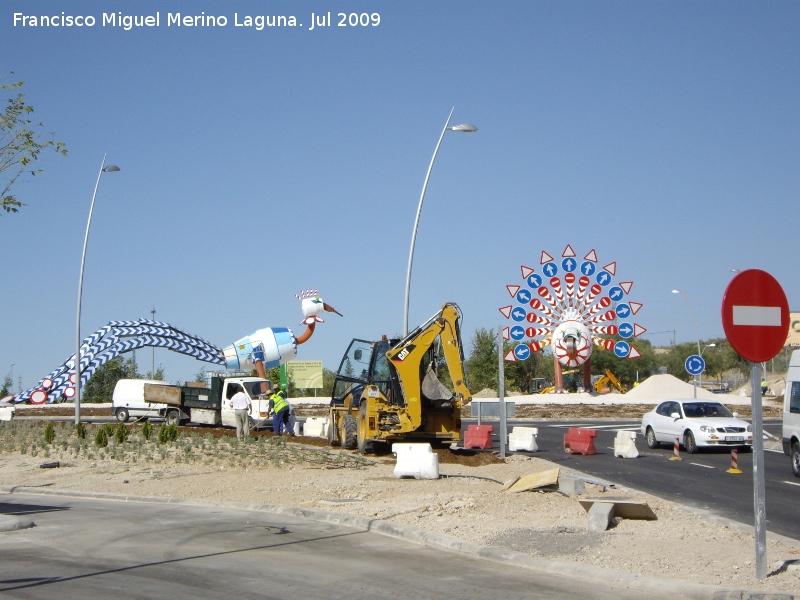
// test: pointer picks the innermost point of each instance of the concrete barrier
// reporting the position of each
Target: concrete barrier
(415, 460)
(625, 445)
(523, 439)
(315, 427)
(479, 436)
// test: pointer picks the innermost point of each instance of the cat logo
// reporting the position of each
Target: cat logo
(404, 353)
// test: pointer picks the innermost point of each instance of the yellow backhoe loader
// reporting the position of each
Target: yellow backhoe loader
(389, 391)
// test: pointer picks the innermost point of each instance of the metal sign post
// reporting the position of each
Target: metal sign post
(755, 316)
(501, 392)
(759, 489)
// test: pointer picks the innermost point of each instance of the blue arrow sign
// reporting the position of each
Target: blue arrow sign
(622, 349)
(522, 352)
(518, 314)
(550, 269)
(625, 330)
(587, 268)
(616, 293)
(603, 278)
(569, 264)
(623, 311)
(517, 332)
(535, 281)
(523, 296)
(695, 365)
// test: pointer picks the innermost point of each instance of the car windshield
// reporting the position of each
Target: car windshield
(257, 389)
(696, 410)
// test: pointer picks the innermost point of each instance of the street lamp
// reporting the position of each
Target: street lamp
(103, 169)
(697, 334)
(701, 356)
(461, 128)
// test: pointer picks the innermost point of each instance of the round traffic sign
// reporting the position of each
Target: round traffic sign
(523, 296)
(38, 397)
(522, 352)
(695, 365)
(625, 330)
(755, 315)
(517, 332)
(622, 349)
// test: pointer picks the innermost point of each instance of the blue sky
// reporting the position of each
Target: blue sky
(255, 164)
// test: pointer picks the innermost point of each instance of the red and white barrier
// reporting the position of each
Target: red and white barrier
(734, 462)
(676, 451)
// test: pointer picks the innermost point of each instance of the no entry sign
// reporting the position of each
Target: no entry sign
(755, 315)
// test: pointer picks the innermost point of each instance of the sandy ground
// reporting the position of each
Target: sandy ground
(679, 545)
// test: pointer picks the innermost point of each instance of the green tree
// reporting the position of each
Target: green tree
(626, 370)
(482, 364)
(8, 387)
(101, 386)
(21, 144)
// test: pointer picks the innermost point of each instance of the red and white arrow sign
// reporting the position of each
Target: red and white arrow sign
(626, 286)
(568, 252)
(546, 258)
(526, 271)
(638, 330)
(512, 289)
(510, 357)
(592, 256)
(506, 310)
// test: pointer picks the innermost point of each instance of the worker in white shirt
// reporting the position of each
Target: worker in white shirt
(241, 405)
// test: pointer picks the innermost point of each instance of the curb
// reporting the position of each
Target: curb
(448, 543)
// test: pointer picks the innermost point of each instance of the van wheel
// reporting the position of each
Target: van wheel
(796, 459)
(122, 415)
(173, 418)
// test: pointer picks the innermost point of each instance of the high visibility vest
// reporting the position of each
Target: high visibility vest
(278, 402)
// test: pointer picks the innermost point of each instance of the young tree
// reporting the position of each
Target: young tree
(21, 143)
(482, 363)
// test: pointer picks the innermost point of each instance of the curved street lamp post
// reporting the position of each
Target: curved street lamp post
(103, 169)
(461, 128)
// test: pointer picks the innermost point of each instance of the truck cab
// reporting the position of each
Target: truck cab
(791, 413)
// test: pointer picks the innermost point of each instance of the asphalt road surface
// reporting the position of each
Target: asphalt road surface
(699, 480)
(82, 548)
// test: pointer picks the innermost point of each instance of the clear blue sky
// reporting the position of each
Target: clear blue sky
(254, 164)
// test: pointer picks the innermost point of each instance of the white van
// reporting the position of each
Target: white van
(791, 413)
(128, 400)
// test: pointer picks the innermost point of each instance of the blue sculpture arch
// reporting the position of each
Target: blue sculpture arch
(117, 338)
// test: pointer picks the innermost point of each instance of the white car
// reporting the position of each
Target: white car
(7, 410)
(697, 424)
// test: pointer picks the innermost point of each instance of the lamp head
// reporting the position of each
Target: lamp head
(464, 128)
(676, 291)
(111, 169)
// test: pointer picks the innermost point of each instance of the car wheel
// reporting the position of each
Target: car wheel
(173, 417)
(689, 443)
(122, 415)
(796, 459)
(652, 442)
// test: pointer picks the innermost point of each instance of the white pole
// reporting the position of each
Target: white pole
(501, 393)
(759, 491)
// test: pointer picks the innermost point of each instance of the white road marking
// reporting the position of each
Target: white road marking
(762, 316)
(776, 451)
(791, 483)
(704, 466)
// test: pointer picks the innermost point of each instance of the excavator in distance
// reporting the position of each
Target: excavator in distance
(388, 390)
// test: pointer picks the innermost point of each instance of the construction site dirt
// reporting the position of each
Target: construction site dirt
(469, 503)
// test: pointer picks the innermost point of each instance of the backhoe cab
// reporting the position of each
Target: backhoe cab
(389, 391)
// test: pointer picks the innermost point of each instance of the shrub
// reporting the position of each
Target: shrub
(101, 439)
(80, 430)
(147, 430)
(121, 433)
(49, 433)
(163, 435)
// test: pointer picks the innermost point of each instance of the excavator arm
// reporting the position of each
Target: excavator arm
(408, 354)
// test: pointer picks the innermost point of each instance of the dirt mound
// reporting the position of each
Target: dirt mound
(662, 387)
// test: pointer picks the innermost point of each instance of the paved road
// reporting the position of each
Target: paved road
(700, 480)
(85, 548)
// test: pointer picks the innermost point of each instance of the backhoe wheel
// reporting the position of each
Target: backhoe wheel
(333, 439)
(364, 447)
(348, 432)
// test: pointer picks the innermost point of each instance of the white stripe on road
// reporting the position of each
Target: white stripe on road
(699, 465)
(769, 316)
(791, 483)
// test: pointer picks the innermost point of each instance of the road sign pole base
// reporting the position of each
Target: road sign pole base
(734, 471)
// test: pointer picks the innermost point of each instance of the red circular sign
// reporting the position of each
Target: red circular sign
(755, 315)
(38, 397)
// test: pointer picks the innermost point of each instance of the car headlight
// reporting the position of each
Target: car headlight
(707, 429)
(749, 428)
